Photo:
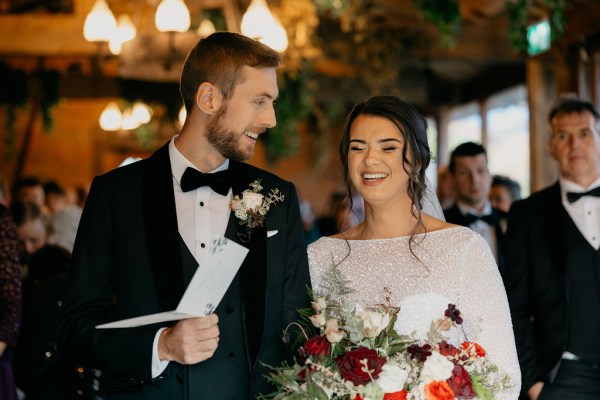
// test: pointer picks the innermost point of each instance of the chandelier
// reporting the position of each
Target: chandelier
(173, 16)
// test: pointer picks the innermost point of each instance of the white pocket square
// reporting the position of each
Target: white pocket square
(271, 233)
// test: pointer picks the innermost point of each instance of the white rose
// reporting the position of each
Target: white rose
(392, 378)
(332, 331)
(436, 368)
(252, 200)
(373, 322)
(318, 320)
(319, 304)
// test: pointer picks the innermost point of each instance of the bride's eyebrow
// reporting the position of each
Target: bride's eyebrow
(390, 140)
(357, 141)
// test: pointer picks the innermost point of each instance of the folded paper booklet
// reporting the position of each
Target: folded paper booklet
(206, 289)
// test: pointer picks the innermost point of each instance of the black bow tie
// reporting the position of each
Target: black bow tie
(489, 218)
(220, 181)
(574, 196)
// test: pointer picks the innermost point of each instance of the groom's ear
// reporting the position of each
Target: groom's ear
(208, 98)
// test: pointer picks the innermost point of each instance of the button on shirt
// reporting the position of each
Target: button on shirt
(202, 215)
(483, 228)
(584, 212)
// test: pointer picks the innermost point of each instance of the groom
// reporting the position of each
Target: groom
(147, 226)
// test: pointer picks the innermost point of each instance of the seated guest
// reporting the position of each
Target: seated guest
(504, 192)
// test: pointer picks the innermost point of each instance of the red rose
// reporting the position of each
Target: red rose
(438, 391)
(353, 370)
(317, 346)
(401, 395)
(460, 383)
(357, 397)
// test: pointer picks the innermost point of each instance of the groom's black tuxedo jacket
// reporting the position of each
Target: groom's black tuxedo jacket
(535, 280)
(129, 260)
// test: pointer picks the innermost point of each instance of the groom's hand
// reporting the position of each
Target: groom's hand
(190, 341)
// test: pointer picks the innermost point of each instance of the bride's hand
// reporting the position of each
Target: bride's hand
(534, 391)
(190, 341)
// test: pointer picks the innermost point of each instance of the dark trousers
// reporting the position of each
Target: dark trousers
(575, 380)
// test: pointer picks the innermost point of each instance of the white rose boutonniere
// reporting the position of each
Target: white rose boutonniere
(251, 209)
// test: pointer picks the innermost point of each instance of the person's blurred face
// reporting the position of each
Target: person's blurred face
(235, 128)
(375, 162)
(472, 180)
(35, 194)
(32, 235)
(575, 145)
(500, 197)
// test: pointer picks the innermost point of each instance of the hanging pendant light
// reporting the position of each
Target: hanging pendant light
(100, 24)
(258, 23)
(172, 16)
(125, 32)
(206, 28)
(111, 118)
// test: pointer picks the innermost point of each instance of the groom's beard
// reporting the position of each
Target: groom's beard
(224, 139)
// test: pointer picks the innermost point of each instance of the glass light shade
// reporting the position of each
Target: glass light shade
(141, 112)
(182, 116)
(125, 31)
(129, 120)
(256, 17)
(172, 16)
(276, 37)
(206, 28)
(100, 24)
(258, 23)
(111, 118)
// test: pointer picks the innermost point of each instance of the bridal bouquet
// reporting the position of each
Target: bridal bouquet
(355, 355)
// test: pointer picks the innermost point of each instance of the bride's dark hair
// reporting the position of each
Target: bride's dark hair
(413, 127)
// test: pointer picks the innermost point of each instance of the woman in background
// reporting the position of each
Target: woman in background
(10, 302)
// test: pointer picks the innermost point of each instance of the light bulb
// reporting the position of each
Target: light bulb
(100, 24)
(111, 118)
(172, 16)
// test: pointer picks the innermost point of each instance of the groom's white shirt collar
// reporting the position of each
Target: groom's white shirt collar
(179, 163)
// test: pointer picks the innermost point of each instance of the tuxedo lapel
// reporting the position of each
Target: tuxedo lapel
(162, 237)
(253, 271)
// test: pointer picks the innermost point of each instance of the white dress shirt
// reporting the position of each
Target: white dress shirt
(202, 215)
(483, 228)
(584, 212)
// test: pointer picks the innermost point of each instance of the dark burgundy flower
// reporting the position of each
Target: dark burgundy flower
(317, 346)
(454, 314)
(419, 352)
(446, 349)
(352, 367)
(460, 383)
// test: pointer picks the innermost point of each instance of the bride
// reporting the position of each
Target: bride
(425, 262)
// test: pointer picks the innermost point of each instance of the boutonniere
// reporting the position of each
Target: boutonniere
(251, 209)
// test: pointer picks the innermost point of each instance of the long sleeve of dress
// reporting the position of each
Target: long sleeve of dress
(484, 307)
(10, 280)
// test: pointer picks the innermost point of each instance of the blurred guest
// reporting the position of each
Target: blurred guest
(472, 182)
(30, 189)
(311, 232)
(64, 217)
(553, 264)
(504, 192)
(39, 372)
(10, 302)
(445, 188)
(4, 191)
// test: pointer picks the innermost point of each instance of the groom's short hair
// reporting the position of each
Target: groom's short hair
(219, 59)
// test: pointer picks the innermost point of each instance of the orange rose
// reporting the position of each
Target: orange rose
(438, 391)
(479, 351)
(401, 395)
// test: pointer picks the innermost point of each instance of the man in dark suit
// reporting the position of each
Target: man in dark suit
(148, 225)
(553, 265)
(472, 181)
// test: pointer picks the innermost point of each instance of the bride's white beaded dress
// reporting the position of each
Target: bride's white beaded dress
(452, 265)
